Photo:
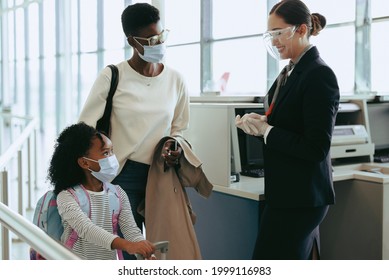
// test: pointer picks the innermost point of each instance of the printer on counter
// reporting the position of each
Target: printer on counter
(351, 141)
(349, 134)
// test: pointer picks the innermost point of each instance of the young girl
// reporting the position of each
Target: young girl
(84, 157)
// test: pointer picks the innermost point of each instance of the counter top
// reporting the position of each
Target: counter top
(253, 188)
(247, 187)
(372, 172)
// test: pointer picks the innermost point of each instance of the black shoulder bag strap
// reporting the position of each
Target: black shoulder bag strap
(103, 124)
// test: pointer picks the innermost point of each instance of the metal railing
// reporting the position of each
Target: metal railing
(18, 134)
(27, 137)
(34, 236)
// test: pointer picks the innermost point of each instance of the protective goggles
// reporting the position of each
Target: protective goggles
(154, 40)
(281, 36)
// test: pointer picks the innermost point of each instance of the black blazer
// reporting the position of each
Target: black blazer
(297, 159)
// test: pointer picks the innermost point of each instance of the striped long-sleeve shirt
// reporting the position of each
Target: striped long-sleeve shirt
(96, 233)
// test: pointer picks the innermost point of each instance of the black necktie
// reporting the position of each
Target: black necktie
(281, 81)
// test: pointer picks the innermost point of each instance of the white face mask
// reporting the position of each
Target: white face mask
(153, 54)
(108, 168)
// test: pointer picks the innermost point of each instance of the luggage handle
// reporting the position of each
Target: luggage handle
(162, 246)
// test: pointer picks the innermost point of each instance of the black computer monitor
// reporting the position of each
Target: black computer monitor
(250, 147)
(378, 114)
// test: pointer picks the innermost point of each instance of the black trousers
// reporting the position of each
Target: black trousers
(133, 180)
(288, 233)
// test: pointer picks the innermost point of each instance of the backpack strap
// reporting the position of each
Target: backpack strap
(81, 196)
(115, 204)
(115, 207)
(44, 203)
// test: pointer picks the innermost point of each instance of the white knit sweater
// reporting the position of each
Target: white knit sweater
(144, 110)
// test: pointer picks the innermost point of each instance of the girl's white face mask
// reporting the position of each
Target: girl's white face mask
(109, 167)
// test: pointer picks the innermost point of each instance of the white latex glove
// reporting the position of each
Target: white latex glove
(244, 123)
(257, 127)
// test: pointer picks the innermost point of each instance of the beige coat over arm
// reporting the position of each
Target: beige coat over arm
(168, 213)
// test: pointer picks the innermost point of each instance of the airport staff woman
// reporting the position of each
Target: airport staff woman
(297, 129)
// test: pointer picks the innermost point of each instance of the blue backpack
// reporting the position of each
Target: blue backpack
(47, 218)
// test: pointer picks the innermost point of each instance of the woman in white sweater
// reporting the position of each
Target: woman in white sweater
(151, 101)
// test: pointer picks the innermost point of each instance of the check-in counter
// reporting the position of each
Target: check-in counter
(356, 227)
(227, 221)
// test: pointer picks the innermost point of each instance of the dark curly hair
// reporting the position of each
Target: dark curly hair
(137, 16)
(73, 142)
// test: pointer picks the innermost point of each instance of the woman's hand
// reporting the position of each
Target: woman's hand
(253, 123)
(171, 152)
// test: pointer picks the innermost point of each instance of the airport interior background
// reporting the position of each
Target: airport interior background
(51, 51)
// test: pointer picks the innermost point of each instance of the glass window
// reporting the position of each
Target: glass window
(231, 18)
(379, 8)
(50, 91)
(114, 37)
(19, 97)
(247, 68)
(10, 3)
(11, 35)
(74, 25)
(88, 25)
(339, 56)
(140, 1)
(50, 118)
(335, 11)
(75, 82)
(114, 56)
(182, 13)
(49, 28)
(379, 57)
(236, 46)
(33, 30)
(186, 59)
(11, 79)
(19, 35)
(33, 90)
(88, 77)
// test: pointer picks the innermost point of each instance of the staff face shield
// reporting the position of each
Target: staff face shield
(276, 39)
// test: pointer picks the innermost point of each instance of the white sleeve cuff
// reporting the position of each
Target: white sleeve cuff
(267, 132)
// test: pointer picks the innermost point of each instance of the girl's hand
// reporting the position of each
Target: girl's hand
(144, 248)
